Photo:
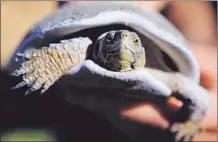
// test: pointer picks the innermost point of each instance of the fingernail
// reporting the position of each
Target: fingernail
(174, 103)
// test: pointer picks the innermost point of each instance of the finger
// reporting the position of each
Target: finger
(174, 104)
(206, 57)
(207, 80)
(146, 113)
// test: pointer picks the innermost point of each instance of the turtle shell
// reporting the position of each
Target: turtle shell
(165, 46)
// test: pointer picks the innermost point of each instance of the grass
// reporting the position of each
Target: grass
(28, 135)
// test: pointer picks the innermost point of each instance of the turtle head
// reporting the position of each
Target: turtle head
(119, 50)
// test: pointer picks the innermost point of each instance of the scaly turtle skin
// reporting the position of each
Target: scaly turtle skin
(120, 50)
(116, 50)
(44, 67)
(170, 68)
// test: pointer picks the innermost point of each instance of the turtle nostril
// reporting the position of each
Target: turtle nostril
(123, 34)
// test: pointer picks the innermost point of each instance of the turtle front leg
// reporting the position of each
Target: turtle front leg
(195, 102)
(43, 67)
(42, 70)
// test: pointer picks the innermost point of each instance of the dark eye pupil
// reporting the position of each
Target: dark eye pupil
(109, 37)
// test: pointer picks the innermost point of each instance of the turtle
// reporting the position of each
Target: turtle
(119, 50)
(162, 66)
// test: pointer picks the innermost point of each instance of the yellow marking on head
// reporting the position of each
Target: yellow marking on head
(125, 56)
(143, 58)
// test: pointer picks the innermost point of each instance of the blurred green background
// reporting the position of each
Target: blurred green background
(28, 135)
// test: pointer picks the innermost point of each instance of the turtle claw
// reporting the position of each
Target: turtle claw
(20, 55)
(186, 131)
(17, 72)
(47, 85)
(28, 54)
(23, 55)
(29, 91)
(43, 90)
(42, 68)
(21, 84)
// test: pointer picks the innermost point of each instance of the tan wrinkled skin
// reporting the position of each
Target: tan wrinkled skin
(44, 67)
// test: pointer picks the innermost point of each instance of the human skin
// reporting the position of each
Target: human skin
(196, 21)
(208, 64)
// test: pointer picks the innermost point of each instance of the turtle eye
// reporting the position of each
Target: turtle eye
(109, 37)
(135, 40)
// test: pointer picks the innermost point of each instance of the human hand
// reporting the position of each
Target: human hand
(206, 57)
(147, 113)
